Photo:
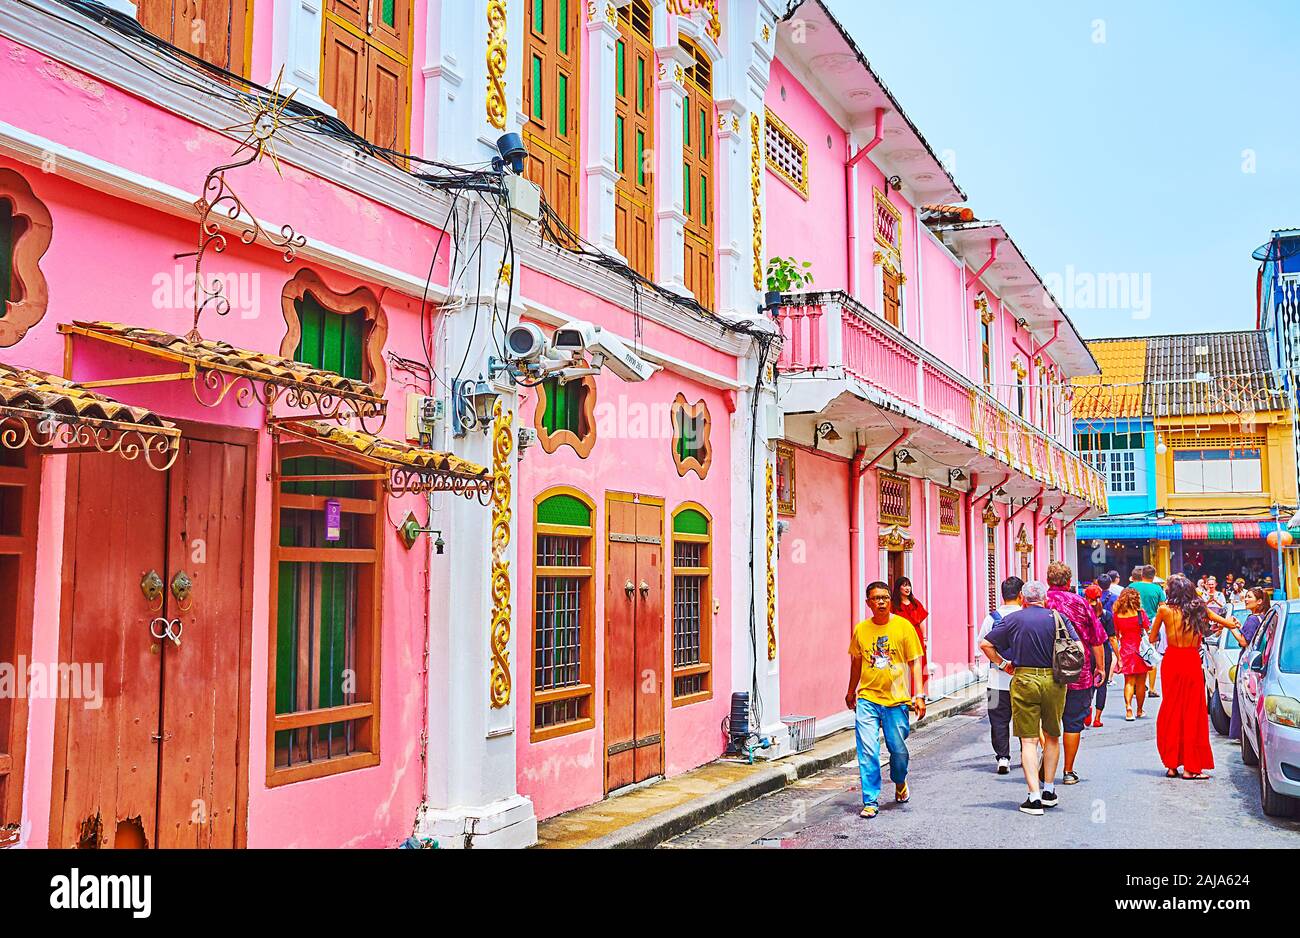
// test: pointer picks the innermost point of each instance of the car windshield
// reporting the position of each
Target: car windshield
(1288, 658)
(1228, 641)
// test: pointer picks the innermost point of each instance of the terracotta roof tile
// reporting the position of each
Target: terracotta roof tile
(27, 389)
(1118, 390)
(1236, 365)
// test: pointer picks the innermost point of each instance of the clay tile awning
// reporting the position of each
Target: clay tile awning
(218, 368)
(46, 411)
(412, 469)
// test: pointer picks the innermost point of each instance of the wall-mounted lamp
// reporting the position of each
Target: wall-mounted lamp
(513, 154)
(903, 457)
(999, 492)
(772, 302)
(471, 405)
(896, 183)
(410, 530)
(955, 475)
(1161, 448)
(825, 431)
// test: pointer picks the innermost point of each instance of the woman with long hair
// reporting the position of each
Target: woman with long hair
(1128, 629)
(1183, 725)
(1260, 606)
(910, 608)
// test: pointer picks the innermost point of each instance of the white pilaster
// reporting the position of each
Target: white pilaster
(297, 38)
(670, 231)
(600, 171)
(471, 794)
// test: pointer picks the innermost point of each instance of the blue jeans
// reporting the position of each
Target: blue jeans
(871, 719)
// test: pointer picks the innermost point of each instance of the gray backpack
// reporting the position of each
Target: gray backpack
(1068, 657)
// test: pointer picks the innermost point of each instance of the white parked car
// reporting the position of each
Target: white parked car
(1221, 654)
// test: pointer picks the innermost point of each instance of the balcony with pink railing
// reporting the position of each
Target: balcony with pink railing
(829, 333)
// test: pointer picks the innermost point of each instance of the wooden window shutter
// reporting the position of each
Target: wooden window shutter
(552, 95)
(213, 30)
(366, 68)
(634, 129)
(697, 162)
(891, 301)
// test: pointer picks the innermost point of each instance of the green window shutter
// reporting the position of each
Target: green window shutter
(562, 105)
(286, 651)
(690, 521)
(686, 189)
(618, 144)
(640, 84)
(388, 12)
(332, 341)
(539, 17)
(6, 254)
(620, 68)
(564, 509)
(563, 27)
(538, 111)
(704, 199)
(704, 134)
(640, 157)
(686, 124)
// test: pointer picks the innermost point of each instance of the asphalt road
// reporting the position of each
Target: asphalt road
(1122, 800)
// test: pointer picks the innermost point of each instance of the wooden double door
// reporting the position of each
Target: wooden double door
(156, 581)
(634, 640)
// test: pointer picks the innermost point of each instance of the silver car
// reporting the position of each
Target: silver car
(1220, 659)
(1268, 688)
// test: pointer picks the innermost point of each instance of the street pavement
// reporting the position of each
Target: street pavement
(1123, 799)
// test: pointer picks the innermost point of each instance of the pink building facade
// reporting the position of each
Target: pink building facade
(355, 568)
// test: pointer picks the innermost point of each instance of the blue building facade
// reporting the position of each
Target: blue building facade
(1279, 311)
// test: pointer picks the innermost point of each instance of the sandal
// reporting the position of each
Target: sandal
(1198, 777)
(901, 794)
(869, 811)
(1171, 773)
(1128, 716)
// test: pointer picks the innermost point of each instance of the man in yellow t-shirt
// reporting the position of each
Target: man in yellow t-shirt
(883, 652)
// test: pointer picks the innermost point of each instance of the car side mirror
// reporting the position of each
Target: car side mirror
(1256, 662)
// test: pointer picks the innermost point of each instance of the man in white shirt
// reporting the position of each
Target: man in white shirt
(1213, 598)
(1115, 588)
(999, 686)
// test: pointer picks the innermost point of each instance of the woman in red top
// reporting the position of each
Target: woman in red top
(1183, 725)
(910, 608)
(1128, 629)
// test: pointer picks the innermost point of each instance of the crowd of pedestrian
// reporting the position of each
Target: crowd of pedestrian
(1054, 651)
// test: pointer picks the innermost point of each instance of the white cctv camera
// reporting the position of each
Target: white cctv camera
(525, 342)
(603, 349)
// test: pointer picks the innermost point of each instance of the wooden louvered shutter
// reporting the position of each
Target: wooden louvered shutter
(634, 138)
(213, 30)
(697, 178)
(551, 100)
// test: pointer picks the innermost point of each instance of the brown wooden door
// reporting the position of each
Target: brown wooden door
(212, 30)
(697, 176)
(634, 641)
(200, 686)
(551, 101)
(366, 68)
(634, 137)
(893, 307)
(160, 762)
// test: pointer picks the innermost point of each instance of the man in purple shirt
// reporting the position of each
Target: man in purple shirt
(1078, 696)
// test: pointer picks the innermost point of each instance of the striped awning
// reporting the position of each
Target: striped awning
(1151, 530)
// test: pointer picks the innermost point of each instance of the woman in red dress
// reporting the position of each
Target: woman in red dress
(1128, 629)
(910, 608)
(1183, 724)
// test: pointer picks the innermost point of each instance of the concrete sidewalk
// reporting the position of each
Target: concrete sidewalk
(648, 816)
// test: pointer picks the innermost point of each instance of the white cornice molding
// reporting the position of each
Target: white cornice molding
(47, 27)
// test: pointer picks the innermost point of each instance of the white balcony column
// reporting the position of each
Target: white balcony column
(471, 793)
(670, 215)
(600, 170)
(297, 38)
(833, 327)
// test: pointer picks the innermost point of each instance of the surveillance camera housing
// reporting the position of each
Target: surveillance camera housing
(525, 342)
(602, 349)
(512, 150)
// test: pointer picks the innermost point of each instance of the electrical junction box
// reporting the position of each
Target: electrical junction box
(525, 197)
(422, 415)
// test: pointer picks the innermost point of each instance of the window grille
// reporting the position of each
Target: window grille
(787, 154)
(894, 498)
(949, 511)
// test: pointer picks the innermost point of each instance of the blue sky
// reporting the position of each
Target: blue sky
(1128, 155)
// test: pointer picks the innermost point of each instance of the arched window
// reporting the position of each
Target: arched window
(340, 332)
(565, 415)
(692, 451)
(551, 100)
(692, 605)
(563, 613)
(25, 232)
(634, 137)
(697, 174)
(325, 582)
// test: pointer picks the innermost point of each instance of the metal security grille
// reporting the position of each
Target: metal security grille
(949, 512)
(992, 539)
(688, 684)
(895, 499)
(558, 641)
(688, 596)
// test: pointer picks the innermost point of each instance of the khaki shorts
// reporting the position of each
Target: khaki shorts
(1037, 702)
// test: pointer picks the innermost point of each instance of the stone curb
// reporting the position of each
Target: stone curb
(652, 831)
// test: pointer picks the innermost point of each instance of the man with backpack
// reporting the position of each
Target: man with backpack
(999, 686)
(1025, 645)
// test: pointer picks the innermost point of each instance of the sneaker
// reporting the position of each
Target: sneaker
(1070, 778)
(869, 811)
(1096, 722)
(901, 794)
(1087, 720)
(1004, 766)
(1032, 807)
(1049, 799)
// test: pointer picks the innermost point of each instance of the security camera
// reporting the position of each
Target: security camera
(525, 342)
(512, 150)
(603, 349)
